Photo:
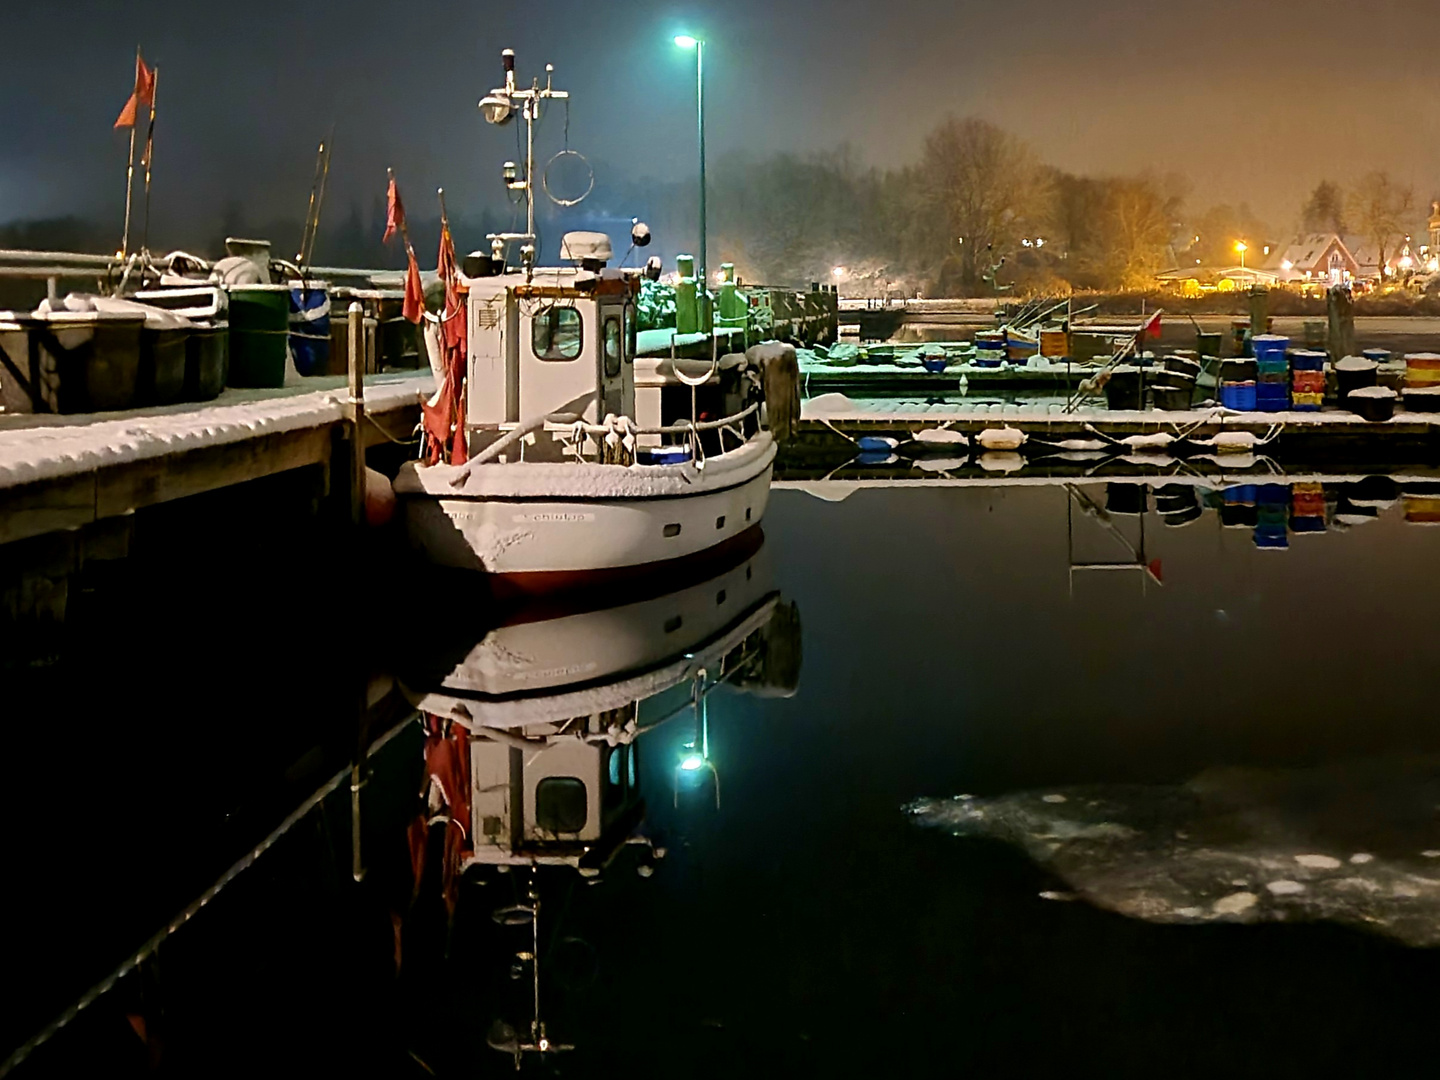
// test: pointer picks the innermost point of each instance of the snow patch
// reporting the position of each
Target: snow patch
(1053, 798)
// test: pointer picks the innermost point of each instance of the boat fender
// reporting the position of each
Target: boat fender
(1005, 438)
(879, 444)
(379, 498)
(1001, 461)
(941, 437)
(1154, 443)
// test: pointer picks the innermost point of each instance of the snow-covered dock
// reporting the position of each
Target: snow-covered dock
(1048, 418)
(63, 472)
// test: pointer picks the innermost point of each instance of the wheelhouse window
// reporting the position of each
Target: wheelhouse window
(612, 346)
(556, 334)
(561, 805)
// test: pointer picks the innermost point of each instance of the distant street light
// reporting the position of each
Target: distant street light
(1241, 248)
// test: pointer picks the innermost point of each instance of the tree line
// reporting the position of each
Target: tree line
(979, 213)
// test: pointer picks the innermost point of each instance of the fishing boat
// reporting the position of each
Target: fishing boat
(575, 686)
(563, 473)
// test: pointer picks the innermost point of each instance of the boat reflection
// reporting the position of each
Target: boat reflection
(533, 779)
(1353, 843)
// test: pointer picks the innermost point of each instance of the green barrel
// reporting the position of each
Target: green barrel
(259, 328)
(687, 319)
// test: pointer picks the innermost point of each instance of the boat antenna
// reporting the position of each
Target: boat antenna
(317, 200)
(498, 107)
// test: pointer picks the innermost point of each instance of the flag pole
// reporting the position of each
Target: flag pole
(404, 223)
(129, 178)
(149, 157)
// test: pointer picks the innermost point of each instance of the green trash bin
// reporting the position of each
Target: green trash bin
(259, 329)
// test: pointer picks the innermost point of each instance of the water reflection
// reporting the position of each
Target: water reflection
(1353, 843)
(533, 736)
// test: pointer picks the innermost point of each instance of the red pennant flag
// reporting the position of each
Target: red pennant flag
(445, 421)
(143, 94)
(414, 306)
(394, 213)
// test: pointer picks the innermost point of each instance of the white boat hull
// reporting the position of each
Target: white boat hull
(543, 542)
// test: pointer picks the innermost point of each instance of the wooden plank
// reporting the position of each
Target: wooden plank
(124, 488)
(47, 506)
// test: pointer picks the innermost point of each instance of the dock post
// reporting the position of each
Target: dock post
(1340, 313)
(356, 316)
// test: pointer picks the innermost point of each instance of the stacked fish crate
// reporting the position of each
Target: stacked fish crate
(1307, 508)
(1272, 373)
(1308, 387)
(1271, 513)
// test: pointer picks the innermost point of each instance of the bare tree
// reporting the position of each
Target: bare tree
(1324, 210)
(983, 189)
(1139, 220)
(1379, 206)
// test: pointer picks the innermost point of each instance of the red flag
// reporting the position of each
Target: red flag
(143, 94)
(445, 422)
(414, 306)
(394, 213)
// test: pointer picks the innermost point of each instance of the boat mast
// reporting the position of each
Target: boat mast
(498, 108)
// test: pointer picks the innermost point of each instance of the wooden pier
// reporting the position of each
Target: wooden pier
(61, 473)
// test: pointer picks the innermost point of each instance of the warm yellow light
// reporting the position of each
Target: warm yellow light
(1241, 246)
(1286, 265)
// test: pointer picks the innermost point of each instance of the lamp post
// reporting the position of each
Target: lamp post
(1241, 247)
(685, 41)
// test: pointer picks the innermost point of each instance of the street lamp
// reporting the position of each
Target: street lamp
(1241, 247)
(685, 41)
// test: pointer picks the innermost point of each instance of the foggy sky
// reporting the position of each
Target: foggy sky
(1252, 100)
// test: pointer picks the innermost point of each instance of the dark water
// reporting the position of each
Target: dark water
(1140, 758)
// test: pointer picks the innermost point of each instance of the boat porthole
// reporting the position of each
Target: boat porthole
(720, 522)
(673, 623)
(747, 513)
(719, 597)
(672, 529)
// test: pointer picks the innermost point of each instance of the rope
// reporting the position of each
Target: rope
(392, 438)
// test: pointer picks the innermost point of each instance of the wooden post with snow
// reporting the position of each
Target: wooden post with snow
(356, 316)
(1259, 310)
(1340, 311)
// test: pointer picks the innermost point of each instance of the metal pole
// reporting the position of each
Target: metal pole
(129, 177)
(707, 325)
(149, 157)
(357, 412)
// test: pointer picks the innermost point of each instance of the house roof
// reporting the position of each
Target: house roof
(1305, 251)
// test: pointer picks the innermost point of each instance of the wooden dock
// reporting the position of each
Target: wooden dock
(829, 422)
(61, 473)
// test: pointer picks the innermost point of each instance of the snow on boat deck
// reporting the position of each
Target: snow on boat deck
(35, 448)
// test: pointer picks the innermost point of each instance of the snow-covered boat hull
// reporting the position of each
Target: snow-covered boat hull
(544, 528)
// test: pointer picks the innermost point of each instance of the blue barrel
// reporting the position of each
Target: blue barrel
(310, 329)
(1380, 356)
(1308, 359)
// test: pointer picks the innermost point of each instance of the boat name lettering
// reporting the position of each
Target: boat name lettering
(555, 516)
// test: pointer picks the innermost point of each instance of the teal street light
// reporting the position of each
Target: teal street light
(685, 41)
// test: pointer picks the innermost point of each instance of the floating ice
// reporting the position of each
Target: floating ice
(1234, 904)
(1285, 888)
(1318, 862)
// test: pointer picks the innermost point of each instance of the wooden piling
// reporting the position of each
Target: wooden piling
(1259, 310)
(357, 413)
(1340, 311)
